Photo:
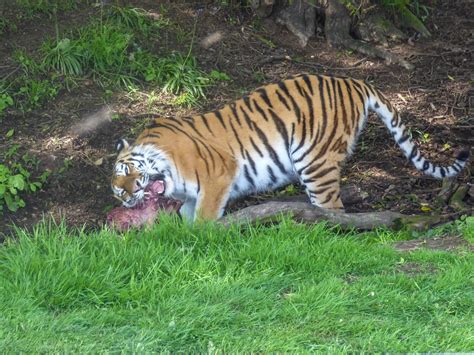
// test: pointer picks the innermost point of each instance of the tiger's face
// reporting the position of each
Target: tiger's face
(134, 169)
(128, 184)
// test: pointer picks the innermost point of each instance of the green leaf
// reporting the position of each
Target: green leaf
(10, 133)
(11, 204)
(17, 181)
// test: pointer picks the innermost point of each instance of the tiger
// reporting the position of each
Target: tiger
(301, 129)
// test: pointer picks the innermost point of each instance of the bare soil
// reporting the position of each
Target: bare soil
(446, 243)
(75, 134)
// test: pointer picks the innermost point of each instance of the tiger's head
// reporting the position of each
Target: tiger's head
(136, 166)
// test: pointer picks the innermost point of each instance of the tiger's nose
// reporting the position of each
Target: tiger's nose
(137, 187)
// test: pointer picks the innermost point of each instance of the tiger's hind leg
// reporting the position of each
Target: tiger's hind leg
(321, 180)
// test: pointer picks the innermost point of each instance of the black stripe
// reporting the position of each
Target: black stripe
(319, 191)
(303, 134)
(323, 107)
(168, 126)
(263, 94)
(273, 178)
(426, 166)
(312, 169)
(307, 81)
(260, 110)
(297, 109)
(328, 198)
(413, 153)
(323, 173)
(175, 120)
(191, 124)
(403, 139)
(343, 106)
(248, 177)
(197, 181)
(281, 128)
(252, 162)
(233, 107)
(271, 151)
(283, 100)
(351, 101)
(237, 138)
(249, 122)
(204, 119)
(247, 103)
(299, 88)
(256, 147)
(153, 135)
(328, 91)
(442, 171)
(219, 117)
(328, 182)
(292, 136)
(309, 102)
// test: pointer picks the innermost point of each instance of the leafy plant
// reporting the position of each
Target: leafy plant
(218, 76)
(64, 57)
(35, 92)
(16, 178)
(31, 7)
(5, 101)
(401, 8)
(138, 20)
(181, 74)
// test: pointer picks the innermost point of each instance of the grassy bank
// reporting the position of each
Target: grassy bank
(203, 288)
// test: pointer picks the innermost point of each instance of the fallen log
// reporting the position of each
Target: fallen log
(307, 213)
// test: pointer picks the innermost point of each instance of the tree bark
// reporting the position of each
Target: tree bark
(337, 29)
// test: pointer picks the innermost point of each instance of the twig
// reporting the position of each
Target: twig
(275, 58)
(11, 73)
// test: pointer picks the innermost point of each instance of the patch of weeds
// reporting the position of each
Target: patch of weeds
(266, 41)
(17, 178)
(111, 50)
(63, 56)
(35, 92)
(5, 101)
(138, 20)
(6, 25)
(219, 76)
(32, 88)
(466, 227)
(32, 7)
(259, 76)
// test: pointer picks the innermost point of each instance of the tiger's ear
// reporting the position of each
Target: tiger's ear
(121, 144)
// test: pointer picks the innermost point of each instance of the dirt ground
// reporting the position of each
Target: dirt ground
(75, 134)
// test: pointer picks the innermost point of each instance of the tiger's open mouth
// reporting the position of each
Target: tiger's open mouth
(156, 187)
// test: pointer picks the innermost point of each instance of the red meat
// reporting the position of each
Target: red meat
(123, 218)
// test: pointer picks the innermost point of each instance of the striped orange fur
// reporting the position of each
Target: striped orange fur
(298, 130)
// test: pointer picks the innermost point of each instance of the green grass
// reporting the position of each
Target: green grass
(116, 50)
(203, 288)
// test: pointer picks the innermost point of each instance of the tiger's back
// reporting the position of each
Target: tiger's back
(300, 129)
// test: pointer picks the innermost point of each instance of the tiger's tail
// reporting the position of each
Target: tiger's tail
(391, 118)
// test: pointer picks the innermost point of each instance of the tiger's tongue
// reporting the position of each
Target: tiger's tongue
(156, 187)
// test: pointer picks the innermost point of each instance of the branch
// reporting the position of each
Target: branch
(307, 213)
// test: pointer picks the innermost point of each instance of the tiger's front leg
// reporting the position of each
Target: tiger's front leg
(211, 201)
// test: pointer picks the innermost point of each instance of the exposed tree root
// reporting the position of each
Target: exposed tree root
(300, 19)
(337, 27)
